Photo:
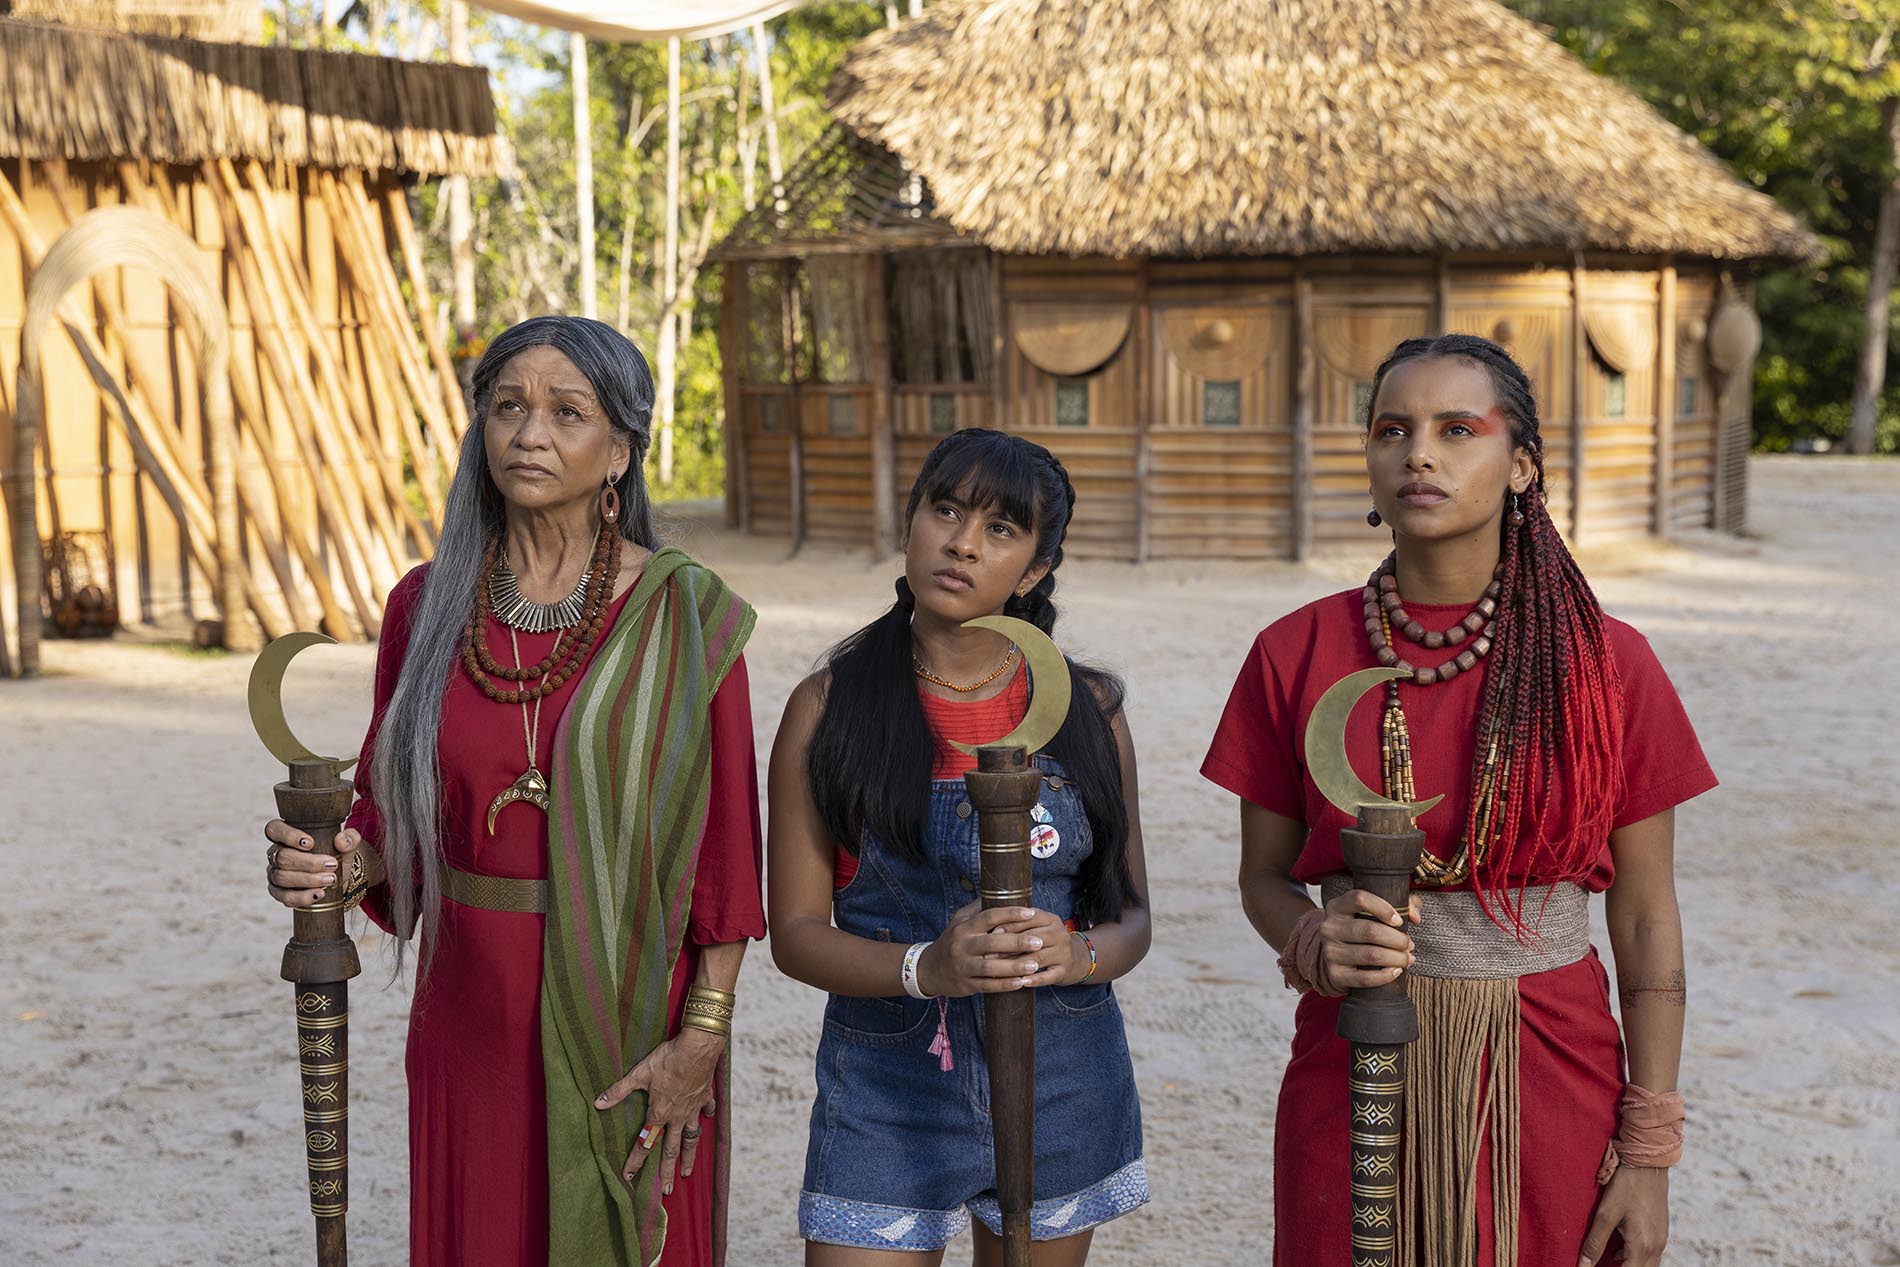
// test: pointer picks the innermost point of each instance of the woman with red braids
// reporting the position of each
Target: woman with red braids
(1562, 751)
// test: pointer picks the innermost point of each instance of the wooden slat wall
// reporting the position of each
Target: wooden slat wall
(769, 458)
(1692, 502)
(838, 500)
(1226, 491)
(1101, 456)
(1619, 454)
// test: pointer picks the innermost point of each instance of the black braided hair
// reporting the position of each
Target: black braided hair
(871, 753)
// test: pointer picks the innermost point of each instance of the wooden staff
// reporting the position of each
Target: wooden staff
(1380, 850)
(319, 961)
(1003, 790)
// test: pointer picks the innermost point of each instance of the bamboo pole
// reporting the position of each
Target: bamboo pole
(411, 247)
(344, 529)
(384, 381)
(151, 443)
(227, 494)
(330, 381)
(1144, 412)
(349, 207)
(253, 419)
(732, 337)
(1579, 356)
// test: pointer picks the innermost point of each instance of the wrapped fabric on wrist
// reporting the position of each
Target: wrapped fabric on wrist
(1650, 1133)
(1300, 961)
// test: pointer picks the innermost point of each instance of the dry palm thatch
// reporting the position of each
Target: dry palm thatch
(235, 21)
(95, 95)
(1196, 127)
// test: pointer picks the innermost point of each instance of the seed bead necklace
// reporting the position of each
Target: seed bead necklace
(1009, 658)
(1384, 610)
(570, 649)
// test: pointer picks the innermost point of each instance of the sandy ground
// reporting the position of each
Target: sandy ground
(148, 1110)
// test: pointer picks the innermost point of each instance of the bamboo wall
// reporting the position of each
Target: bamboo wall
(348, 418)
(1172, 391)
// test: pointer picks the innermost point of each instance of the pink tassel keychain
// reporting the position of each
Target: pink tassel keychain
(940, 1045)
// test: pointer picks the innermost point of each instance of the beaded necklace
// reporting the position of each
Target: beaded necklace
(1383, 610)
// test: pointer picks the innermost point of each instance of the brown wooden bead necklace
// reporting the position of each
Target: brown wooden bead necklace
(1383, 611)
(570, 649)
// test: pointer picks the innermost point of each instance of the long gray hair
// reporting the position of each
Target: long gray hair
(405, 769)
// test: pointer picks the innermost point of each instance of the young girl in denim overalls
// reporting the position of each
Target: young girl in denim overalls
(873, 882)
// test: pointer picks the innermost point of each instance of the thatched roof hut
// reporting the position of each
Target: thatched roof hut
(1157, 210)
(281, 173)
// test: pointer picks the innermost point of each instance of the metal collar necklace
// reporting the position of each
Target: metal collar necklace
(516, 611)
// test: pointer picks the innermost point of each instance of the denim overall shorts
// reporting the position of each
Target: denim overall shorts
(901, 1152)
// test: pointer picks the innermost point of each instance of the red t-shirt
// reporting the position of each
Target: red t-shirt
(1258, 752)
(972, 721)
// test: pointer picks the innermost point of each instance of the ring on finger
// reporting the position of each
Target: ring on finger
(647, 1134)
(689, 1132)
(271, 855)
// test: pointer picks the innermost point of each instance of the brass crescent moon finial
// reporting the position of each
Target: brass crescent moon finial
(1326, 759)
(266, 696)
(1049, 706)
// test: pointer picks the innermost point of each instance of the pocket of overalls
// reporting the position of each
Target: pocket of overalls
(880, 1021)
(1090, 998)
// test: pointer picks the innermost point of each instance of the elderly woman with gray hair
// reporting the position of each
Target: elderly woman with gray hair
(561, 807)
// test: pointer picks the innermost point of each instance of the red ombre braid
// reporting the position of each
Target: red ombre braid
(1553, 702)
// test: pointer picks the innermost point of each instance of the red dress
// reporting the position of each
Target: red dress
(478, 1148)
(1571, 1053)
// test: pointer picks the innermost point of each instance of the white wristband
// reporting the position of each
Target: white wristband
(912, 986)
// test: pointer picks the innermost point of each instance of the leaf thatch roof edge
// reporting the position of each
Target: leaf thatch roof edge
(84, 95)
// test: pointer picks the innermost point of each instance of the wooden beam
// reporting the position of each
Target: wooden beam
(1144, 410)
(999, 346)
(1665, 395)
(788, 325)
(1441, 295)
(877, 338)
(1304, 370)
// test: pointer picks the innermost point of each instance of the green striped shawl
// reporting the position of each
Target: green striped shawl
(632, 779)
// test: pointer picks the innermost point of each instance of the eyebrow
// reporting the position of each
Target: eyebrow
(1444, 415)
(514, 385)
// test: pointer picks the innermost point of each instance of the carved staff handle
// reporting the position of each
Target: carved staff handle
(1003, 788)
(1380, 850)
(319, 961)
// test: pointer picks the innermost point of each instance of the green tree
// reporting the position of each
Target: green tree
(1796, 96)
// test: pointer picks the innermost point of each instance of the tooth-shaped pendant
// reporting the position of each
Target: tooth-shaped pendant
(531, 787)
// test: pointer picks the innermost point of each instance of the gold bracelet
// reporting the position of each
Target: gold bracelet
(358, 884)
(711, 994)
(708, 1024)
(708, 1011)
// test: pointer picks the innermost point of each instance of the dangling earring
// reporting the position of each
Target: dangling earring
(1372, 519)
(610, 500)
(1517, 510)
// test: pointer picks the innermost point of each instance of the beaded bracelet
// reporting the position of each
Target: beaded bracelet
(1094, 963)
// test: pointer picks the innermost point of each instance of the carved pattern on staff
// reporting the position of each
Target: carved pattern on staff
(1375, 1114)
(321, 1141)
(322, 1092)
(326, 1188)
(312, 1003)
(316, 1045)
(1373, 1167)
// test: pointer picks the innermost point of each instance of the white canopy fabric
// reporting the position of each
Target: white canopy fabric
(636, 21)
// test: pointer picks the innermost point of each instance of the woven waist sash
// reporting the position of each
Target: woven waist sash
(494, 892)
(1457, 940)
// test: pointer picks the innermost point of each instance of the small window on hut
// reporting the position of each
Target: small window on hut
(1616, 395)
(1361, 402)
(1687, 390)
(1072, 403)
(1220, 404)
(771, 413)
(943, 413)
(841, 415)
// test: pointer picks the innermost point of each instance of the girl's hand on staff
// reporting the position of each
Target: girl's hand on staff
(1063, 960)
(1356, 953)
(1635, 1202)
(298, 876)
(678, 1079)
(976, 956)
